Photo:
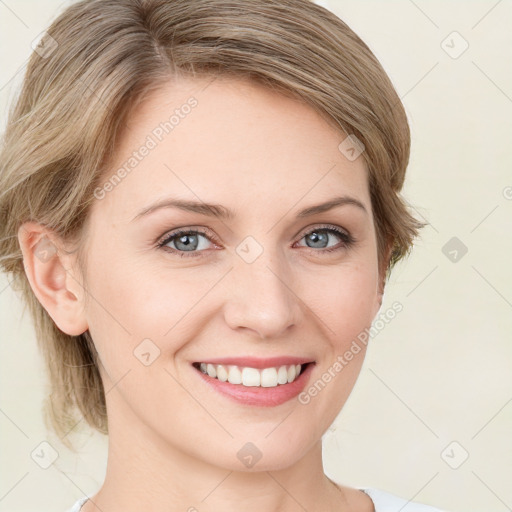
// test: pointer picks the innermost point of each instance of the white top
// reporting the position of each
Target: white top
(382, 501)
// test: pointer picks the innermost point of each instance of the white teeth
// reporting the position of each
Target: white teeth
(212, 372)
(291, 373)
(282, 375)
(234, 375)
(269, 378)
(252, 377)
(222, 373)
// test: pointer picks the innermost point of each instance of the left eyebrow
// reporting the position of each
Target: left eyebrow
(212, 210)
(221, 212)
(329, 205)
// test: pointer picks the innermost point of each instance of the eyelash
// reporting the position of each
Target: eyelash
(347, 240)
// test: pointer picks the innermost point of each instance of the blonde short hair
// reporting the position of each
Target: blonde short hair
(101, 57)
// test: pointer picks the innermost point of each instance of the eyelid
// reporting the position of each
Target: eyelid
(313, 227)
(162, 240)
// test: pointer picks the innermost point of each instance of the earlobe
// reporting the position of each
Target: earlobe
(49, 272)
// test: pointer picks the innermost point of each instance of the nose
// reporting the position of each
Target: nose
(261, 298)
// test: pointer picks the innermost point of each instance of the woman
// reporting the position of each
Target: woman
(201, 206)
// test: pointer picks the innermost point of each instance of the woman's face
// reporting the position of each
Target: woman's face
(251, 282)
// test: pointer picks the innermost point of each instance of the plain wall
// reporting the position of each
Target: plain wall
(436, 385)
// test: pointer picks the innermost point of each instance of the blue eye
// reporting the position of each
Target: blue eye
(320, 236)
(187, 242)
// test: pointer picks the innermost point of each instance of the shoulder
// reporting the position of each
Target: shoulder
(382, 501)
(78, 505)
(386, 502)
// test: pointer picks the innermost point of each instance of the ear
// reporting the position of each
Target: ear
(49, 271)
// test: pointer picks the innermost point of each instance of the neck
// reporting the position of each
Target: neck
(144, 473)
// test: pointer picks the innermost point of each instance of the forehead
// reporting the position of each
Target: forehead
(232, 142)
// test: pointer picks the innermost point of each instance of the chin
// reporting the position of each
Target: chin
(277, 451)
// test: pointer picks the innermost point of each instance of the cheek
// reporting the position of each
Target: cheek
(130, 305)
(343, 299)
(346, 312)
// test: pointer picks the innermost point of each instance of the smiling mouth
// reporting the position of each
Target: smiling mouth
(247, 376)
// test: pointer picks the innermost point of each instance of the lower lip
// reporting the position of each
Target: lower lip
(257, 395)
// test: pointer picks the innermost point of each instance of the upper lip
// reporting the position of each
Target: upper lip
(258, 362)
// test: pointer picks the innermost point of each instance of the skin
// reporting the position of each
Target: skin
(173, 441)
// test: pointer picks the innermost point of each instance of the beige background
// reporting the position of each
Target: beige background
(440, 372)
